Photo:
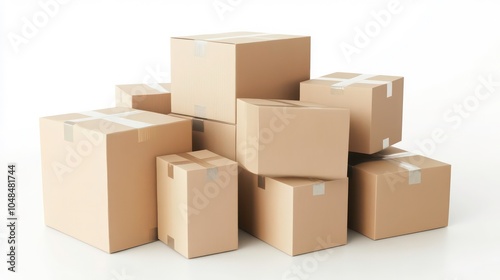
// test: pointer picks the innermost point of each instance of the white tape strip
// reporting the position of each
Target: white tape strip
(385, 143)
(414, 172)
(93, 115)
(116, 118)
(361, 79)
(319, 189)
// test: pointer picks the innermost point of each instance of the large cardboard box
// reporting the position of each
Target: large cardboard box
(292, 138)
(215, 136)
(295, 215)
(198, 203)
(394, 192)
(144, 97)
(376, 104)
(209, 72)
(99, 173)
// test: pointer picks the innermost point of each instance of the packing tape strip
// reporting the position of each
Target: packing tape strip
(319, 189)
(115, 118)
(361, 79)
(414, 172)
(200, 111)
(212, 170)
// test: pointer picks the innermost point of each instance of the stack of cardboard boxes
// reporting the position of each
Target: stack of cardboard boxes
(264, 161)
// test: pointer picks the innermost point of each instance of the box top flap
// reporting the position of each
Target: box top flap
(239, 37)
(113, 120)
(344, 79)
(203, 159)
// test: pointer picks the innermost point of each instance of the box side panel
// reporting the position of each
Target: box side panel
(272, 69)
(213, 228)
(75, 183)
(217, 137)
(266, 211)
(387, 116)
(203, 79)
(132, 179)
(407, 208)
(320, 221)
(362, 202)
(303, 142)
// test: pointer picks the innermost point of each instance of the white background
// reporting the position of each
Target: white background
(442, 48)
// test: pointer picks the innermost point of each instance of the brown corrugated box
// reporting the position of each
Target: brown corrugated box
(394, 192)
(98, 168)
(292, 138)
(209, 72)
(144, 97)
(375, 101)
(295, 215)
(215, 136)
(198, 203)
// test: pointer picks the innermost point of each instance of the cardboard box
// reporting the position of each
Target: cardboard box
(99, 173)
(215, 136)
(376, 104)
(209, 72)
(283, 138)
(198, 203)
(394, 192)
(295, 215)
(144, 97)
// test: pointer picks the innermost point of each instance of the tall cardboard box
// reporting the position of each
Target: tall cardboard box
(215, 136)
(295, 215)
(99, 173)
(209, 72)
(144, 97)
(198, 203)
(394, 192)
(283, 138)
(375, 101)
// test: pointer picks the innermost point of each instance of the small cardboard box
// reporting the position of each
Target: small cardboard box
(209, 72)
(198, 203)
(376, 104)
(144, 97)
(394, 192)
(295, 215)
(215, 136)
(99, 173)
(284, 138)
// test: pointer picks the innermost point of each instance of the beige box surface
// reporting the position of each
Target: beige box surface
(99, 173)
(198, 203)
(295, 215)
(215, 136)
(209, 72)
(375, 102)
(144, 97)
(292, 138)
(394, 192)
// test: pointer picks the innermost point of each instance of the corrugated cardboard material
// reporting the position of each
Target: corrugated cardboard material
(144, 97)
(209, 72)
(198, 203)
(99, 180)
(215, 136)
(283, 138)
(295, 215)
(376, 104)
(394, 192)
